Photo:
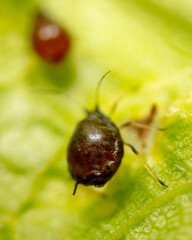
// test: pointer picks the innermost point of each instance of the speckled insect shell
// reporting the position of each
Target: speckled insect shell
(95, 150)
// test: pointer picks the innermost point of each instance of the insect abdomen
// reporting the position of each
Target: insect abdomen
(95, 150)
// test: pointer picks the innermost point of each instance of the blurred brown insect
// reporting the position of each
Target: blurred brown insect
(96, 148)
(50, 41)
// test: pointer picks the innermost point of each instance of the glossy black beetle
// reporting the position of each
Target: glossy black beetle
(96, 148)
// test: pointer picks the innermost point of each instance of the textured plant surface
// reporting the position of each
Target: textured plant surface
(148, 46)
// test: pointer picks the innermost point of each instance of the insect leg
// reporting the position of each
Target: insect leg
(140, 125)
(75, 188)
(114, 105)
(145, 164)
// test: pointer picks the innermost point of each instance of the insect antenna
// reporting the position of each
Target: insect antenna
(97, 91)
(57, 92)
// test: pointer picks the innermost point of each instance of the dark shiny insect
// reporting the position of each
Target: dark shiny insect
(96, 148)
(50, 41)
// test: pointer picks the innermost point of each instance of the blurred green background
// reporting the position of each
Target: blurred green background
(148, 47)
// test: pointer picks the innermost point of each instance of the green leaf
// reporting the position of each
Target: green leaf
(147, 45)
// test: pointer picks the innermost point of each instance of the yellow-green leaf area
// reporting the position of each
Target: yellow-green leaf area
(147, 46)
